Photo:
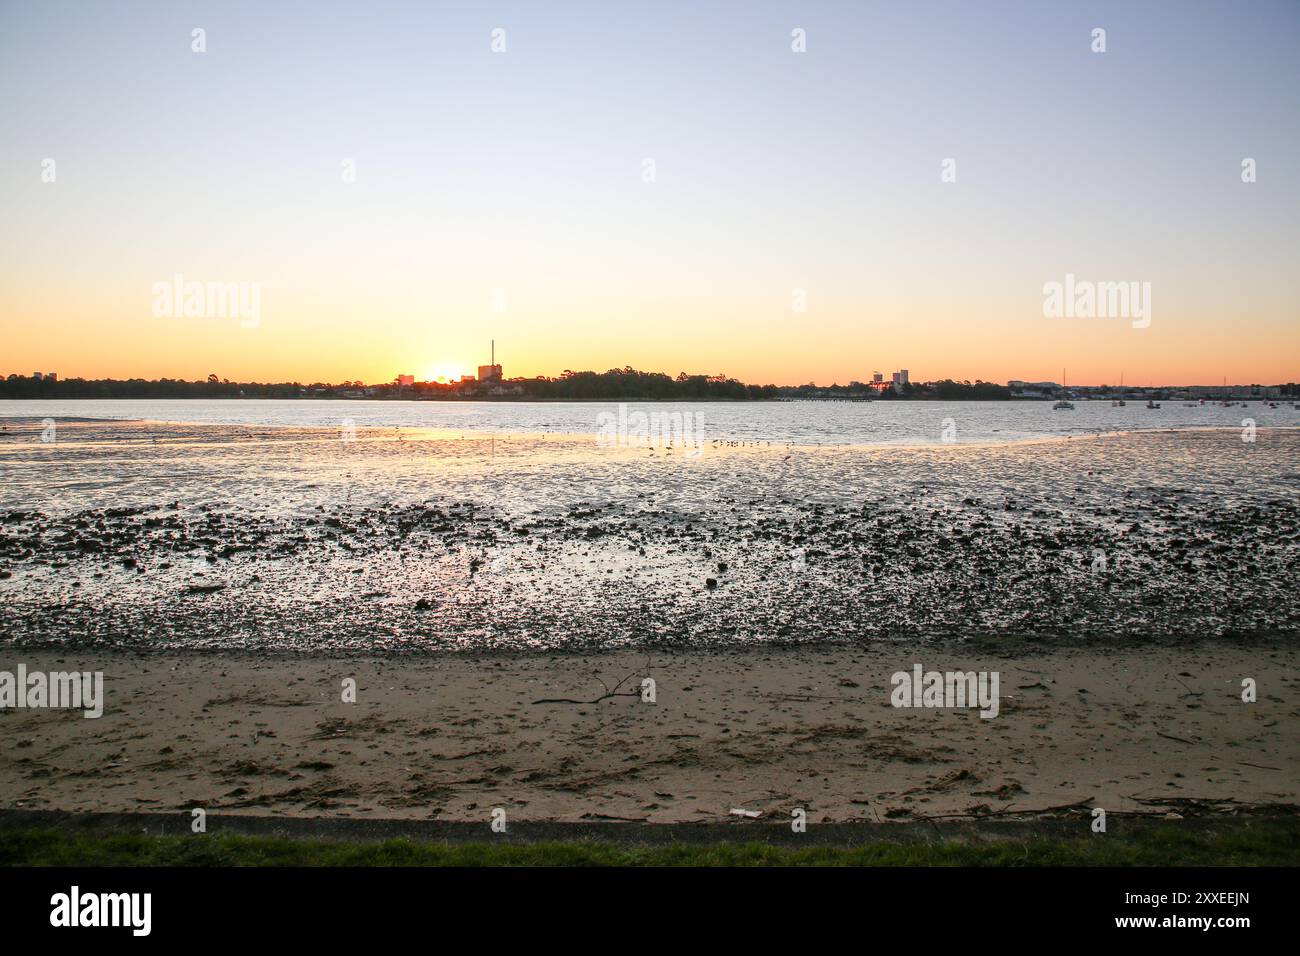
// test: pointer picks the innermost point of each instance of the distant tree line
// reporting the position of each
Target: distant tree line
(25, 387)
(616, 384)
(944, 390)
(948, 390)
(624, 383)
(629, 383)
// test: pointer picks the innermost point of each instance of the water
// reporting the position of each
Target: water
(797, 423)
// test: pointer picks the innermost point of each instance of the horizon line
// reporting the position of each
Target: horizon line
(712, 376)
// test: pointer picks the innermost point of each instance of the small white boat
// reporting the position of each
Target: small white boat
(1061, 403)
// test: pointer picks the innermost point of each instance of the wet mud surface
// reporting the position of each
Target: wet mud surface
(163, 536)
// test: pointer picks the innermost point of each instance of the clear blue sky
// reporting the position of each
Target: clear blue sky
(522, 172)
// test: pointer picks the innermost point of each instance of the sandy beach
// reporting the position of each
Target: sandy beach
(1158, 729)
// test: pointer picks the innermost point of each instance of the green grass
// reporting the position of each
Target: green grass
(1276, 844)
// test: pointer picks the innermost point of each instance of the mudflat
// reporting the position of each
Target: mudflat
(184, 537)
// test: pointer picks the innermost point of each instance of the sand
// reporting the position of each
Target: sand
(1158, 728)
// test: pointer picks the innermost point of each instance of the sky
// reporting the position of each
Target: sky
(669, 186)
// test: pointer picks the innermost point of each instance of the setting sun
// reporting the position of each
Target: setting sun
(443, 373)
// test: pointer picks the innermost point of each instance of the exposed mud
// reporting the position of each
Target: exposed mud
(437, 544)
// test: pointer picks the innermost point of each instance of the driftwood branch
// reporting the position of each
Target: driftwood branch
(1080, 805)
(615, 691)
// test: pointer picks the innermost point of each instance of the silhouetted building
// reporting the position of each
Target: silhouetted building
(490, 373)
